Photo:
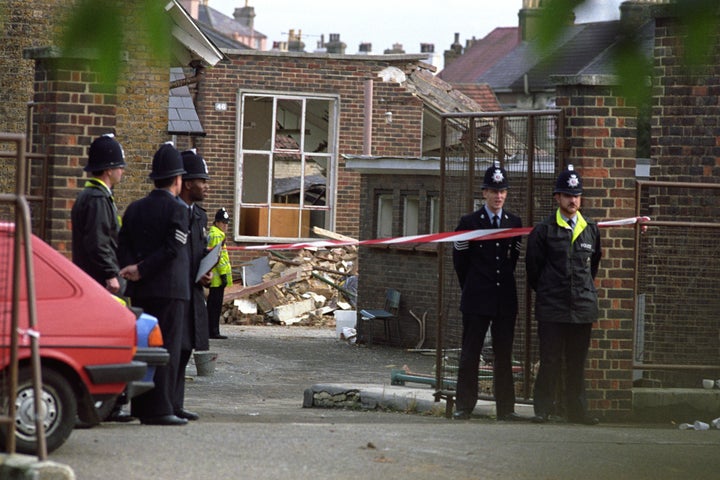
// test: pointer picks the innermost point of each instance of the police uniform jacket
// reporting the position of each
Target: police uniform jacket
(95, 228)
(486, 268)
(561, 267)
(154, 235)
(198, 240)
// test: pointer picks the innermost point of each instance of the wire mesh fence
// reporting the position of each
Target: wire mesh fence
(677, 327)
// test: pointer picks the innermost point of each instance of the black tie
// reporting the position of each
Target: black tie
(496, 222)
(571, 223)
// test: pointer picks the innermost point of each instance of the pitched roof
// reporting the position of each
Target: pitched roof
(225, 27)
(603, 63)
(577, 47)
(584, 44)
(438, 94)
(481, 56)
(482, 94)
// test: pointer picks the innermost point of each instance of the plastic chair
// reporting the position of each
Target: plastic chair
(389, 313)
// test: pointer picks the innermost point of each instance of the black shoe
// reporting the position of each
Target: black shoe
(511, 417)
(163, 420)
(219, 337)
(187, 414)
(119, 416)
(461, 415)
(585, 420)
(539, 418)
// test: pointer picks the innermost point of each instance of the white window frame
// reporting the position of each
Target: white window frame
(434, 216)
(384, 216)
(330, 155)
(411, 215)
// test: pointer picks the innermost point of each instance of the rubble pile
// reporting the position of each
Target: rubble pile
(301, 287)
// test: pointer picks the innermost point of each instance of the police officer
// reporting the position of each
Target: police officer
(154, 252)
(96, 226)
(562, 260)
(486, 272)
(95, 220)
(194, 189)
(222, 273)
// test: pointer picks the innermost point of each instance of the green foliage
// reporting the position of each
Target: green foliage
(634, 67)
(699, 19)
(156, 25)
(552, 20)
(104, 28)
(96, 25)
(701, 23)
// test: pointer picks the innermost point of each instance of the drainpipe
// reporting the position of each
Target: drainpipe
(367, 118)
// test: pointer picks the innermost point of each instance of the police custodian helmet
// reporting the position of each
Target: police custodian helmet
(496, 178)
(105, 153)
(222, 216)
(195, 166)
(569, 182)
(167, 162)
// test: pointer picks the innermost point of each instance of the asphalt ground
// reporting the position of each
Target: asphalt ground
(253, 425)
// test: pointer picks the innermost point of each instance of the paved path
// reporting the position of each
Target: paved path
(253, 425)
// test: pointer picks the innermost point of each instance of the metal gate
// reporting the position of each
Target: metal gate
(527, 145)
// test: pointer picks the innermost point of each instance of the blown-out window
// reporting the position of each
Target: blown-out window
(287, 165)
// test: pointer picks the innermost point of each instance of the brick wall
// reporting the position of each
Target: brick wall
(25, 24)
(602, 134)
(686, 115)
(307, 74)
(72, 107)
(412, 270)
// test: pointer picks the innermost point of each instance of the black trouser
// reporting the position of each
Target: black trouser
(475, 328)
(171, 318)
(558, 341)
(214, 307)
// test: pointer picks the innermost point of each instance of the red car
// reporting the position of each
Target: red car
(87, 339)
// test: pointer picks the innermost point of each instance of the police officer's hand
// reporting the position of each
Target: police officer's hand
(112, 285)
(131, 273)
(205, 280)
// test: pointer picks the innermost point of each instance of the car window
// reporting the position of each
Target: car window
(51, 282)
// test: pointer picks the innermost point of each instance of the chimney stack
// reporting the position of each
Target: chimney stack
(334, 45)
(245, 16)
(396, 48)
(529, 17)
(365, 47)
(456, 49)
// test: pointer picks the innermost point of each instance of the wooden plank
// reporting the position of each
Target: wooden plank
(332, 235)
(240, 291)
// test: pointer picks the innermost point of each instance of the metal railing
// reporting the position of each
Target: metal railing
(22, 255)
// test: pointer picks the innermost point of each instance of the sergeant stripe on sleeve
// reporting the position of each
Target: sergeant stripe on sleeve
(181, 236)
(461, 245)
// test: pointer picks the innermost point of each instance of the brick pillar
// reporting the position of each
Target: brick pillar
(601, 130)
(70, 110)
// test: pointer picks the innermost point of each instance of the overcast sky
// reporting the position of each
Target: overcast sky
(386, 22)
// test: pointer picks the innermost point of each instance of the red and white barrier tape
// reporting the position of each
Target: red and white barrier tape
(489, 234)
